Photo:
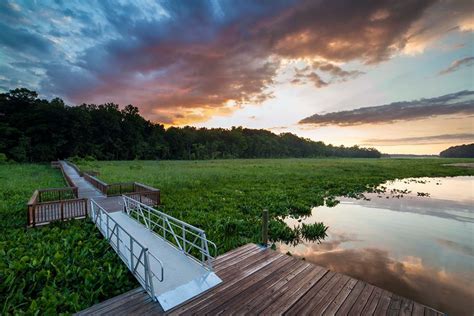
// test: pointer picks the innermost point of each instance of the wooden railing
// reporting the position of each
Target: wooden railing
(120, 188)
(40, 212)
(56, 194)
(145, 194)
(99, 184)
(139, 191)
(80, 172)
(57, 164)
(52, 204)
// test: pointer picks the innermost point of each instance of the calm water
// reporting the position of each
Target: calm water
(421, 247)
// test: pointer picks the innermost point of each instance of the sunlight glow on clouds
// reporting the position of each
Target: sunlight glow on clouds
(193, 62)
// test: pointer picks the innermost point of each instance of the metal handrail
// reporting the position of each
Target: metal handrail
(126, 247)
(184, 235)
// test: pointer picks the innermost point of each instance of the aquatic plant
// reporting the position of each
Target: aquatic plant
(314, 232)
(57, 269)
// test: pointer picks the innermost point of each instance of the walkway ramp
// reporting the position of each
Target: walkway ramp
(86, 190)
(170, 258)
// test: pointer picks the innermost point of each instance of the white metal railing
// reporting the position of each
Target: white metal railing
(133, 253)
(191, 240)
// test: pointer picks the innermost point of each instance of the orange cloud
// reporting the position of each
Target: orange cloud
(192, 65)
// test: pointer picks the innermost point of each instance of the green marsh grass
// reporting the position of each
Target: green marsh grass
(226, 197)
(59, 268)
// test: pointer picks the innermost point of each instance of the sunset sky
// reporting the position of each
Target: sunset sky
(395, 75)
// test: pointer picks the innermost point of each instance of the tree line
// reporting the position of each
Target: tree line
(461, 151)
(33, 129)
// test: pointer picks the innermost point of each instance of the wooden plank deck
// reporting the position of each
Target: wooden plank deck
(263, 281)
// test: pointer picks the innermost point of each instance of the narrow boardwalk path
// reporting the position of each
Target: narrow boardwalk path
(87, 190)
(165, 270)
(263, 281)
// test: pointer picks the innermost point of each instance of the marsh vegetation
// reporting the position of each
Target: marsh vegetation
(66, 267)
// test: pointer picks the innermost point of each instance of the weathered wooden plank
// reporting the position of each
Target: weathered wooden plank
(359, 304)
(239, 259)
(336, 303)
(291, 293)
(431, 312)
(384, 302)
(350, 299)
(246, 288)
(262, 269)
(133, 307)
(265, 293)
(233, 253)
(233, 271)
(418, 309)
(406, 307)
(120, 298)
(324, 303)
(222, 258)
(266, 282)
(228, 285)
(315, 295)
(372, 302)
(395, 304)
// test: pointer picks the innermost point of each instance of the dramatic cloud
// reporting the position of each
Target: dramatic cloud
(337, 73)
(333, 72)
(186, 61)
(302, 76)
(455, 65)
(438, 20)
(433, 139)
(456, 103)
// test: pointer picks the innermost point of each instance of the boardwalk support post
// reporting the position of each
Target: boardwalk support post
(265, 227)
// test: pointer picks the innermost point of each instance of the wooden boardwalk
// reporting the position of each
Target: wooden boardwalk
(87, 190)
(263, 281)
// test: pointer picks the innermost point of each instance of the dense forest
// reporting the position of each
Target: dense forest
(461, 151)
(33, 129)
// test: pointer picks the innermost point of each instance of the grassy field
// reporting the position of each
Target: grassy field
(61, 268)
(226, 197)
(67, 267)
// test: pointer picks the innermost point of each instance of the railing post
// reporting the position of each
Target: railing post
(131, 254)
(34, 215)
(62, 210)
(146, 267)
(149, 220)
(100, 220)
(184, 237)
(118, 241)
(202, 247)
(209, 261)
(108, 229)
(265, 227)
